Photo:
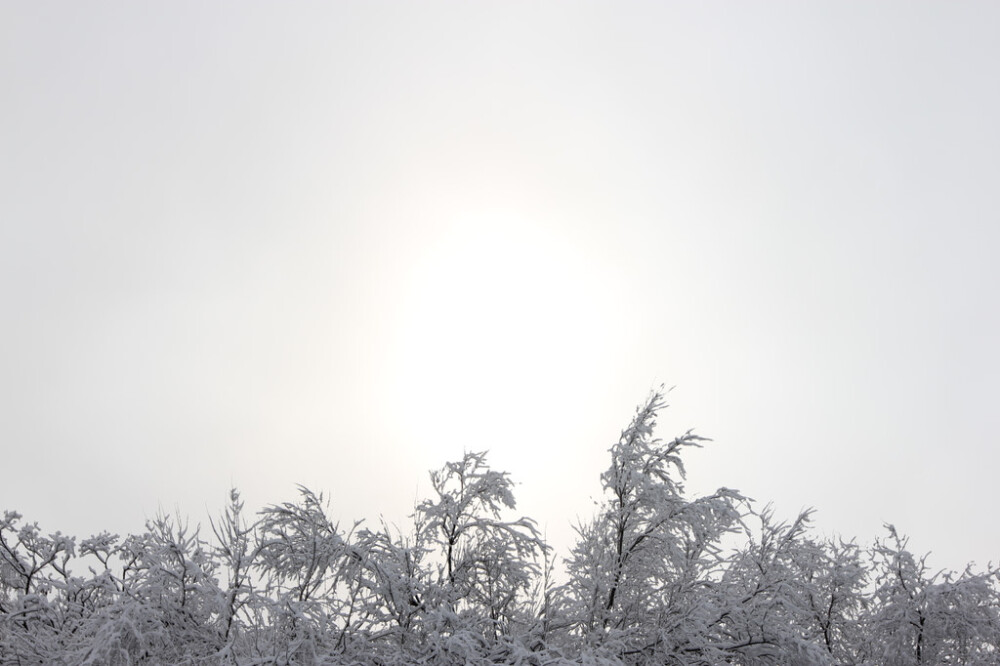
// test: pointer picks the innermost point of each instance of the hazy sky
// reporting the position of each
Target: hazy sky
(336, 244)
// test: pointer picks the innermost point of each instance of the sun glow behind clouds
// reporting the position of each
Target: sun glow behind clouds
(501, 316)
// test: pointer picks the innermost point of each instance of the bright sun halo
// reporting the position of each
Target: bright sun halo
(500, 316)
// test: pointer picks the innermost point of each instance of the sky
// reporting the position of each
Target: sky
(337, 244)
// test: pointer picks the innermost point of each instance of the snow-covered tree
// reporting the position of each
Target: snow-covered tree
(235, 550)
(917, 617)
(656, 577)
(305, 561)
(487, 563)
(639, 570)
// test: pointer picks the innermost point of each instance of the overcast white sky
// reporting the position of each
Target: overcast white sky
(334, 244)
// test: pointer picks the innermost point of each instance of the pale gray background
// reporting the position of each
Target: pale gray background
(336, 243)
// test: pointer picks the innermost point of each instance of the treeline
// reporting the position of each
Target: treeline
(654, 578)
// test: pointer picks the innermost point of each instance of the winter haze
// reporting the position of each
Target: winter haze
(337, 244)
